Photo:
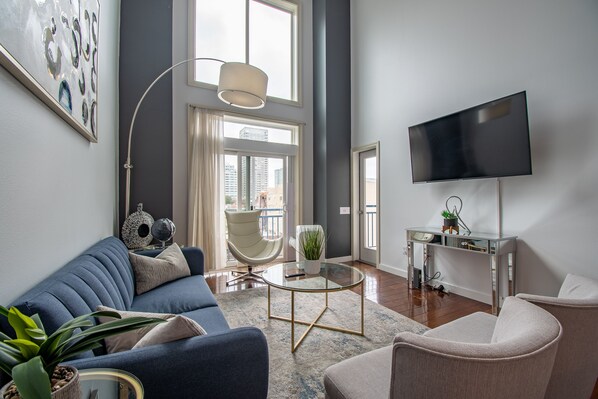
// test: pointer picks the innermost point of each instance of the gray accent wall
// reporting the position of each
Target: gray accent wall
(332, 122)
(146, 51)
(57, 190)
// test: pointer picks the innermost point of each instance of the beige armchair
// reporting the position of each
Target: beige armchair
(477, 356)
(576, 366)
(247, 245)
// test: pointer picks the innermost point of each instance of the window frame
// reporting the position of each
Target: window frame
(292, 6)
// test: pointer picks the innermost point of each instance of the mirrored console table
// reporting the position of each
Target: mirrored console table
(500, 250)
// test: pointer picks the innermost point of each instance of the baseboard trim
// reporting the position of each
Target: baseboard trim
(341, 259)
(393, 269)
(465, 292)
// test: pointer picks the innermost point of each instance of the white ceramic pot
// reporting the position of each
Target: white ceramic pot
(312, 266)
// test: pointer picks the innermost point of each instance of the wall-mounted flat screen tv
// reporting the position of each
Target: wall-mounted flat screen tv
(489, 140)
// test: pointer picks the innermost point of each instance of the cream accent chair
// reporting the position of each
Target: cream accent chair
(475, 357)
(247, 245)
(576, 366)
(295, 242)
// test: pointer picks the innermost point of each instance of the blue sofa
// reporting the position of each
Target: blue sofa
(225, 363)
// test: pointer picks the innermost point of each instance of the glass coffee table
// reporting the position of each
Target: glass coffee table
(331, 278)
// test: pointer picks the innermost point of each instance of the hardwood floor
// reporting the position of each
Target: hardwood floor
(429, 307)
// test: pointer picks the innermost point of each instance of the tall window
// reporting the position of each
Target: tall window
(262, 33)
(261, 171)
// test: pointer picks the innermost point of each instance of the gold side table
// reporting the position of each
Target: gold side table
(109, 384)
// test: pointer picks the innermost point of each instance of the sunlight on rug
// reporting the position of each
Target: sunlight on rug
(299, 374)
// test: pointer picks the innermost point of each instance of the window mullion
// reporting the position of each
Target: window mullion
(247, 31)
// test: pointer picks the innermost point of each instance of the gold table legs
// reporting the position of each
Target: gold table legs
(314, 323)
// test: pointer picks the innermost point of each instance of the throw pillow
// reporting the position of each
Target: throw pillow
(178, 327)
(150, 272)
(127, 340)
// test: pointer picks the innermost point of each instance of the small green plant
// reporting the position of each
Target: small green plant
(32, 357)
(448, 215)
(311, 244)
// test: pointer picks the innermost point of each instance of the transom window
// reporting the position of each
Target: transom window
(262, 33)
(273, 132)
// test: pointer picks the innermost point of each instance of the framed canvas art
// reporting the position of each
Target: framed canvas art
(51, 47)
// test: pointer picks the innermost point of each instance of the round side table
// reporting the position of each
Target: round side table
(109, 384)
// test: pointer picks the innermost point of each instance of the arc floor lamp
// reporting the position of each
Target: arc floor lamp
(240, 85)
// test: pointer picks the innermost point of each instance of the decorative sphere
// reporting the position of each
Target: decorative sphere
(163, 229)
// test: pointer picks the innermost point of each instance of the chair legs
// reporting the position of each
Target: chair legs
(249, 275)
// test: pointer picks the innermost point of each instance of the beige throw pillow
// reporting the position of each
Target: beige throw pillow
(152, 272)
(178, 327)
(126, 341)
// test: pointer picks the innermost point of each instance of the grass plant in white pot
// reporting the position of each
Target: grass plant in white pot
(311, 246)
(32, 358)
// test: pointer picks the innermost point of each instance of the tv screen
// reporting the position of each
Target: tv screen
(489, 140)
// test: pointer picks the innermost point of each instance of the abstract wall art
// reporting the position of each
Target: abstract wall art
(51, 47)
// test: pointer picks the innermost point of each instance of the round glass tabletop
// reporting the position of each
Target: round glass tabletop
(332, 277)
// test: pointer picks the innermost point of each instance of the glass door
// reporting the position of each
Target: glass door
(257, 182)
(368, 206)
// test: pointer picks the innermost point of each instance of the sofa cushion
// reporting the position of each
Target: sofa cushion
(127, 340)
(578, 287)
(211, 319)
(151, 272)
(113, 256)
(365, 376)
(178, 296)
(95, 278)
(176, 328)
(476, 328)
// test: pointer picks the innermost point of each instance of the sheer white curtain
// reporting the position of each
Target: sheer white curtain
(206, 188)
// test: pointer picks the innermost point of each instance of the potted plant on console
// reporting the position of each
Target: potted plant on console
(451, 221)
(32, 358)
(311, 246)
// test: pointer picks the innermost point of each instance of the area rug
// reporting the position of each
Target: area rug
(299, 374)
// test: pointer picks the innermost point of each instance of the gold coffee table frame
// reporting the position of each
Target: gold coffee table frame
(307, 289)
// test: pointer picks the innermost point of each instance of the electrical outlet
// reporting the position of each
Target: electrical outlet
(345, 210)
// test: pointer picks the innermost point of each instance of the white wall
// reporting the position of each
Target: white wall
(185, 95)
(57, 190)
(417, 60)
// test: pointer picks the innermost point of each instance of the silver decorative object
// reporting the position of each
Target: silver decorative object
(163, 230)
(136, 231)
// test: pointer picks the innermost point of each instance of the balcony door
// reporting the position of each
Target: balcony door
(368, 206)
(365, 203)
(260, 171)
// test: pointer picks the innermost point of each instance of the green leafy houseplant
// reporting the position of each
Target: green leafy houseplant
(448, 215)
(450, 219)
(32, 357)
(311, 244)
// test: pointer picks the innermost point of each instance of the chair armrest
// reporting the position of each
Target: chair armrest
(231, 364)
(193, 255)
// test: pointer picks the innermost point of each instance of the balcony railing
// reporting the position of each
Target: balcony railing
(271, 222)
(371, 222)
